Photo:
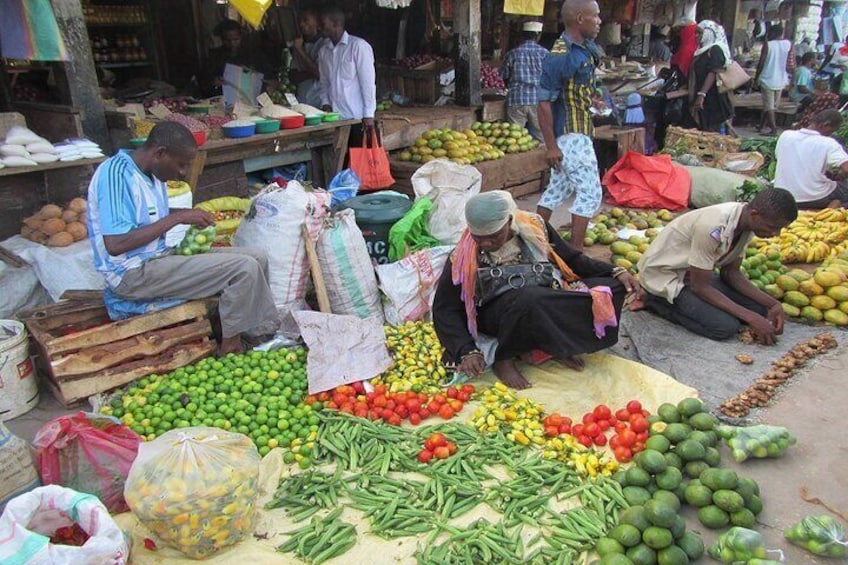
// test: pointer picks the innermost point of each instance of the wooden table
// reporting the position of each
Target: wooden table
(222, 162)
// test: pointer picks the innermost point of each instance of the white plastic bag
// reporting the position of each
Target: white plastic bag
(176, 234)
(273, 224)
(449, 186)
(410, 284)
(18, 473)
(347, 268)
(31, 518)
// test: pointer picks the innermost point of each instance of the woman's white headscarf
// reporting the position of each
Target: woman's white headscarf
(713, 34)
(488, 212)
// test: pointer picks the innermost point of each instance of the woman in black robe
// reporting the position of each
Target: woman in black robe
(564, 318)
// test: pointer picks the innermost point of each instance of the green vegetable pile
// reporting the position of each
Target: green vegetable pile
(765, 146)
(747, 191)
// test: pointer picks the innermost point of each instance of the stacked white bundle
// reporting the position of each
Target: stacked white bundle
(13, 151)
(24, 148)
(76, 149)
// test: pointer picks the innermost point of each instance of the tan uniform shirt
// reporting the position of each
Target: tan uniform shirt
(701, 239)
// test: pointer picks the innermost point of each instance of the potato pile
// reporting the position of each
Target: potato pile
(57, 227)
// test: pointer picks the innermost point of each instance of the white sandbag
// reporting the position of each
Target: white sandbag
(449, 185)
(18, 162)
(70, 157)
(410, 284)
(29, 520)
(18, 474)
(40, 147)
(10, 150)
(273, 224)
(92, 154)
(44, 157)
(84, 143)
(347, 268)
(714, 186)
(175, 235)
(18, 135)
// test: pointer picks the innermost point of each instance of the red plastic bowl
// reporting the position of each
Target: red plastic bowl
(199, 137)
(292, 122)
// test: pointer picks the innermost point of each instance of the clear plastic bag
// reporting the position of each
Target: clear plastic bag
(758, 442)
(738, 545)
(821, 535)
(196, 488)
(89, 453)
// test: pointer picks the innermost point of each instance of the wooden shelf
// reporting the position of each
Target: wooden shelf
(9, 171)
(123, 65)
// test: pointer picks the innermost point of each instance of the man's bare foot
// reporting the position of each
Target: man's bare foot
(231, 345)
(573, 362)
(509, 375)
(636, 304)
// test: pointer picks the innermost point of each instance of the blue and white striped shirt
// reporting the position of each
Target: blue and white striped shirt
(121, 198)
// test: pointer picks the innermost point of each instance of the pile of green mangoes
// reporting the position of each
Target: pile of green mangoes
(820, 535)
(196, 241)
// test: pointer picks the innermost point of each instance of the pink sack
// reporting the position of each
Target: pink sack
(89, 453)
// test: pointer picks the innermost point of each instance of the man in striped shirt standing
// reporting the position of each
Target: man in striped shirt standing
(568, 79)
(521, 70)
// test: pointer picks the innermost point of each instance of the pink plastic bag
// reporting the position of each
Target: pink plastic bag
(88, 453)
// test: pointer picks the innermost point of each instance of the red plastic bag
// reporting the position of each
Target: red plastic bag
(88, 453)
(640, 181)
(371, 164)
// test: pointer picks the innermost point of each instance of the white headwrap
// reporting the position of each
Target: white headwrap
(713, 34)
(488, 212)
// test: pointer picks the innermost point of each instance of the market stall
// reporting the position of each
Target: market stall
(400, 126)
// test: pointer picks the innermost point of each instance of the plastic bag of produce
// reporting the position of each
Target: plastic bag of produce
(348, 272)
(821, 535)
(738, 545)
(196, 241)
(29, 524)
(196, 488)
(179, 196)
(449, 185)
(758, 442)
(410, 284)
(273, 224)
(89, 453)
(18, 473)
(411, 233)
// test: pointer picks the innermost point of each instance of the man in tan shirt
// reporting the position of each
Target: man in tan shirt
(677, 271)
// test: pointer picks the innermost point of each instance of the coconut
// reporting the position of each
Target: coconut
(61, 239)
(50, 211)
(69, 216)
(53, 226)
(78, 205)
(77, 230)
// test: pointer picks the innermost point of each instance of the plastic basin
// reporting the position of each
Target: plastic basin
(239, 131)
(332, 117)
(313, 120)
(199, 137)
(137, 142)
(292, 122)
(268, 126)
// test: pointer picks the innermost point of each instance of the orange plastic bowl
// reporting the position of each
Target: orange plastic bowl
(199, 137)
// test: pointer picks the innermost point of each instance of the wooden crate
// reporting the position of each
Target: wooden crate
(494, 109)
(82, 353)
(518, 173)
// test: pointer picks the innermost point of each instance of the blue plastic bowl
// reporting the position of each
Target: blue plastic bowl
(239, 131)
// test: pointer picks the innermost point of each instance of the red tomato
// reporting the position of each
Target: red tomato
(332, 405)
(347, 409)
(592, 429)
(642, 437)
(603, 424)
(463, 396)
(437, 439)
(585, 440)
(446, 412)
(433, 407)
(440, 398)
(452, 448)
(622, 414)
(602, 412)
(423, 398)
(645, 413)
(627, 438)
(386, 414)
(551, 431)
(638, 423)
(442, 452)
(379, 401)
(395, 420)
(339, 399)
(374, 414)
(634, 407)
(413, 405)
(402, 411)
(380, 388)
(637, 447)
(425, 455)
(323, 396)
(614, 441)
(600, 439)
(391, 404)
(588, 418)
(360, 412)
(452, 392)
(577, 430)
(455, 404)
(620, 427)
(359, 387)
(622, 454)
(554, 420)
(468, 388)
(565, 428)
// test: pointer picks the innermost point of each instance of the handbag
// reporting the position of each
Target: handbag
(495, 281)
(732, 77)
(371, 164)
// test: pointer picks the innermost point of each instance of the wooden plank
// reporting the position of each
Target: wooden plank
(11, 171)
(67, 312)
(71, 392)
(317, 274)
(82, 295)
(529, 187)
(400, 127)
(148, 344)
(196, 168)
(124, 329)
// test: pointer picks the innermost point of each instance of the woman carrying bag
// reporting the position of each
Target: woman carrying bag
(711, 109)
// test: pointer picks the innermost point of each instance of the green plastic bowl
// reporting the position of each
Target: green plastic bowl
(332, 117)
(137, 142)
(198, 108)
(313, 120)
(267, 126)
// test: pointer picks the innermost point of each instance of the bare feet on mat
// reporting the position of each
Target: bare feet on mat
(573, 362)
(636, 304)
(231, 345)
(509, 375)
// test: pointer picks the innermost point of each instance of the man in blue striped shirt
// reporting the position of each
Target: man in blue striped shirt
(521, 70)
(128, 217)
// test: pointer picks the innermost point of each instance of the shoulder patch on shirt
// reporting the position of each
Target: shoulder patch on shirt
(560, 47)
(716, 234)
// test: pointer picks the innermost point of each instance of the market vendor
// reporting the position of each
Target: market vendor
(305, 49)
(512, 277)
(347, 74)
(128, 218)
(232, 51)
(810, 163)
(521, 69)
(677, 270)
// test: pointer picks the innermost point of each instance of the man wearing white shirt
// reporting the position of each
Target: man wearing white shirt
(808, 158)
(346, 70)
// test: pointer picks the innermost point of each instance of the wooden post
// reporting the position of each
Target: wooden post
(80, 76)
(466, 33)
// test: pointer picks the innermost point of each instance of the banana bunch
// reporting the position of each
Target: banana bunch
(829, 215)
(812, 237)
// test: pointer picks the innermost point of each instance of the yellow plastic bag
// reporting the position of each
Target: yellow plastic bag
(524, 7)
(196, 489)
(252, 10)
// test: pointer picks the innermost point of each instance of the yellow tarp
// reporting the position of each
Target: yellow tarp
(252, 10)
(607, 379)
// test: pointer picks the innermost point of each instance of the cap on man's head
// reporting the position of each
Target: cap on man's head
(534, 27)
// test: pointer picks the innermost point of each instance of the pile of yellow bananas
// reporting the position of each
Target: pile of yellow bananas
(812, 238)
